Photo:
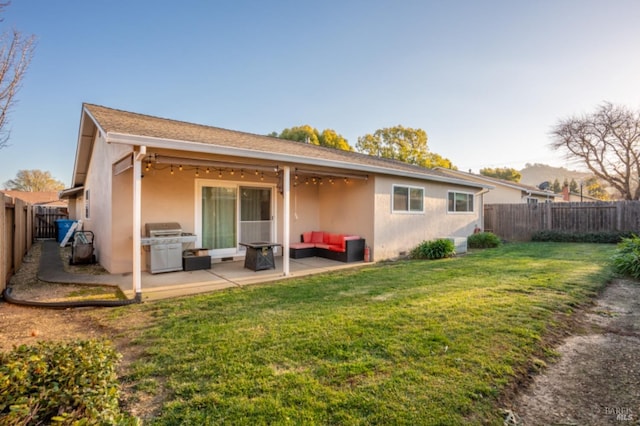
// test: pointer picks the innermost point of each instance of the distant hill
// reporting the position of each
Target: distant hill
(535, 174)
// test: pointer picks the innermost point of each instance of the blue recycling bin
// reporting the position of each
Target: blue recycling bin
(62, 227)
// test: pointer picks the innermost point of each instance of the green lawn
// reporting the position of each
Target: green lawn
(411, 342)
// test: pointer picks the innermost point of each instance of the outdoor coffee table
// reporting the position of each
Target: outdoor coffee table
(259, 255)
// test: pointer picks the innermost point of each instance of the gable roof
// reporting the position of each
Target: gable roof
(531, 190)
(130, 128)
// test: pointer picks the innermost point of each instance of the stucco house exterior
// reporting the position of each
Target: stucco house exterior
(227, 187)
(506, 192)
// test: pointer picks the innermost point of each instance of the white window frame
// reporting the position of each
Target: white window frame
(473, 197)
(408, 210)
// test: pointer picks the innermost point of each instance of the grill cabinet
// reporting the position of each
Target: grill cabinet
(165, 241)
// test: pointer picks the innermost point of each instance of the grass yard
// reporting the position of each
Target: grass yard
(410, 342)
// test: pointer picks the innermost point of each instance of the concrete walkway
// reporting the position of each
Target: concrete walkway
(221, 276)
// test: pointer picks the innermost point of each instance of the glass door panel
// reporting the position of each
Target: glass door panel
(256, 217)
(219, 220)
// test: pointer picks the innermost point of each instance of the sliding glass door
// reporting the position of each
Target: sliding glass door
(229, 214)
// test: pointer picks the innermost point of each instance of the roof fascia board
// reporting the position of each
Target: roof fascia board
(153, 142)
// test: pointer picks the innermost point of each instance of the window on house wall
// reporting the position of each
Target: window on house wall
(532, 200)
(408, 199)
(86, 204)
(460, 202)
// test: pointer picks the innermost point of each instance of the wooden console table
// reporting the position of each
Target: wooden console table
(259, 255)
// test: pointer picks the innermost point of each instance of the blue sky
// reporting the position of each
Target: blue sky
(485, 79)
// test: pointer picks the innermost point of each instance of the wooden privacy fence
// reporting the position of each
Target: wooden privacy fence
(518, 222)
(16, 235)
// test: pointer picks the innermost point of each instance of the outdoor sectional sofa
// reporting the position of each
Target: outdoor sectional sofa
(340, 247)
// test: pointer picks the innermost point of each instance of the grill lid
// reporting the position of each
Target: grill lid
(162, 229)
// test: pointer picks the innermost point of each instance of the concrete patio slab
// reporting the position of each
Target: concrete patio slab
(222, 275)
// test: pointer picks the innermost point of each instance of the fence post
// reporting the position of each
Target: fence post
(4, 274)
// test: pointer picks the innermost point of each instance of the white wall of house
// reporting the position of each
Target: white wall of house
(347, 207)
(304, 210)
(95, 206)
(396, 233)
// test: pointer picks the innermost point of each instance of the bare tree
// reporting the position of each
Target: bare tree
(16, 51)
(607, 142)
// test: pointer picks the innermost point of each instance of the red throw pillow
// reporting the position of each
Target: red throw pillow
(306, 237)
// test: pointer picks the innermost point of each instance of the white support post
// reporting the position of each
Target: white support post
(286, 179)
(137, 219)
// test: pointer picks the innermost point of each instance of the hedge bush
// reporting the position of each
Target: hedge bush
(483, 240)
(61, 383)
(574, 237)
(626, 260)
(434, 249)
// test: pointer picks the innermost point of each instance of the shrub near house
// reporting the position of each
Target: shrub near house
(435, 249)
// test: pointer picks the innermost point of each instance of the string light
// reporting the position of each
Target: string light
(241, 174)
(232, 172)
(172, 169)
(207, 170)
(262, 176)
(197, 172)
(220, 173)
(180, 167)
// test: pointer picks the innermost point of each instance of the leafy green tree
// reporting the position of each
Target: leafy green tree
(505, 173)
(573, 186)
(403, 144)
(307, 134)
(436, 160)
(33, 181)
(555, 187)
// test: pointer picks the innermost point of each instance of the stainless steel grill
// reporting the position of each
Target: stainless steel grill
(165, 240)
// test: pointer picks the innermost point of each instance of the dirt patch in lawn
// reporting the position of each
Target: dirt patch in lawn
(594, 381)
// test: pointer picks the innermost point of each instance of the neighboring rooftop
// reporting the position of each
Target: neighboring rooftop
(49, 198)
